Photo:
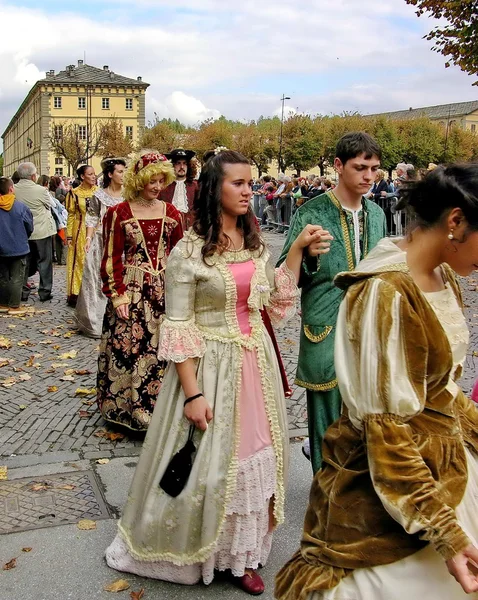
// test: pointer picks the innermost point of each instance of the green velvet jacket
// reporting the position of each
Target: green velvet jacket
(320, 299)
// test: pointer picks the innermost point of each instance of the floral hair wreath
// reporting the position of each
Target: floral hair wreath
(148, 159)
(219, 149)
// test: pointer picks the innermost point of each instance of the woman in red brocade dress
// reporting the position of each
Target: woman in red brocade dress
(139, 234)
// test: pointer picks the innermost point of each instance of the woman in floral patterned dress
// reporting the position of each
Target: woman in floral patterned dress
(225, 379)
(144, 230)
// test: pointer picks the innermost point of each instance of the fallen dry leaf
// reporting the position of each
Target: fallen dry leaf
(103, 461)
(22, 406)
(56, 347)
(82, 372)
(11, 564)
(27, 549)
(86, 524)
(25, 377)
(109, 435)
(4, 362)
(84, 414)
(9, 381)
(85, 392)
(67, 378)
(5, 342)
(120, 585)
(137, 595)
(70, 354)
(59, 365)
(69, 372)
(68, 335)
(66, 486)
(88, 402)
(11, 326)
(46, 342)
(25, 343)
(40, 487)
(52, 388)
(3, 473)
(18, 369)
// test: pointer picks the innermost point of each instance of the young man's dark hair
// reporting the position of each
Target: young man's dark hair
(357, 142)
(5, 185)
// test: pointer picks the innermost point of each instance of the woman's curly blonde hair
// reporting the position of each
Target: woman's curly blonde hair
(135, 180)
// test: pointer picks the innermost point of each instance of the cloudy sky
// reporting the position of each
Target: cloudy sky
(204, 58)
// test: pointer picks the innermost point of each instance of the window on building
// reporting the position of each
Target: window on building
(82, 132)
(58, 160)
(57, 102)
(129, 103)
(58, 131)
(81, 102)
(58, 171)
(473, 127)
(105, 103)
(129, 131)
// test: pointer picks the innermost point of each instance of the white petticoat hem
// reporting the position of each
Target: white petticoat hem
(245, 540)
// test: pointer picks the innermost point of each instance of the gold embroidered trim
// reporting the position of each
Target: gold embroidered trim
(345, 231)
(317, 338)
(317, 387)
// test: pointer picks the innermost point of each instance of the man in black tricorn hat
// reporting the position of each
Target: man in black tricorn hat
(181, 193)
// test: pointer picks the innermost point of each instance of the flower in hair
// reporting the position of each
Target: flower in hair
(219, 149)
(148, 159)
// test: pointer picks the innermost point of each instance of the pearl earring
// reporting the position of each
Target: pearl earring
(450, 235)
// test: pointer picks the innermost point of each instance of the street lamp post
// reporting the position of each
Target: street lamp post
(283, 99)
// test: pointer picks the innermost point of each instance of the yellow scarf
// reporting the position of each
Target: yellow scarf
(6, 201)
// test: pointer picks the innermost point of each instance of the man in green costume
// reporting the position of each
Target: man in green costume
(356, 225)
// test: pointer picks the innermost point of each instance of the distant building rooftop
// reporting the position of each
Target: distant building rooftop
(442, 111)
(83, 73)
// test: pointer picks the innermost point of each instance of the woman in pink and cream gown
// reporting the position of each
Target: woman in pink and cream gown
(217, 281)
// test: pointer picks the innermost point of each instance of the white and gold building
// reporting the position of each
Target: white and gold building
(82, 95)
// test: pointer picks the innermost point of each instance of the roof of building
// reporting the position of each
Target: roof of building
(81, 73)
(442, 111)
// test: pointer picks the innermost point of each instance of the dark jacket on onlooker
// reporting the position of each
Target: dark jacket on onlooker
(16, 226)
(378, 188)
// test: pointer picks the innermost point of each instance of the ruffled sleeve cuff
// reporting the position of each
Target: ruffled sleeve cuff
(180, 340)
(283, 301)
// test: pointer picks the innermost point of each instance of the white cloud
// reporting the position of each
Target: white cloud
(188, 109)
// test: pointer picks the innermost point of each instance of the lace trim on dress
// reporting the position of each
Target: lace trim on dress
(244, 541)
(283, 301)
(180, 340)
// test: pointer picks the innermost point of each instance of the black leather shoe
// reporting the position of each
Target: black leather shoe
(45, 298)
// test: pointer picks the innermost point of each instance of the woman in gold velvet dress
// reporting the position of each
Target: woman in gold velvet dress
(392, 512)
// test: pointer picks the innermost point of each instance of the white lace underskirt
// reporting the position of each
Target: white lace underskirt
(245, 540)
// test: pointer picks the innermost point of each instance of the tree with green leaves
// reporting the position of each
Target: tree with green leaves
(387, 134)
(301, 143)
(459, 39)
(422, 141)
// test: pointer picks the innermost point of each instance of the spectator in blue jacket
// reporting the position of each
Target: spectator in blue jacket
(16, 225)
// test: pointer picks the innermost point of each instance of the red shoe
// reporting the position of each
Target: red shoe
(251, 583)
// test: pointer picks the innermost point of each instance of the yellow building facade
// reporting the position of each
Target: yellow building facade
(81, 96)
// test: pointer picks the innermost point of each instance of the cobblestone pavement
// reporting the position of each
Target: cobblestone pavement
(47, 372)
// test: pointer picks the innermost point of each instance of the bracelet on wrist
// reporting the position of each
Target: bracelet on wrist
(191, 398)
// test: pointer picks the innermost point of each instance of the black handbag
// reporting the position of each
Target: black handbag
(177, 472)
